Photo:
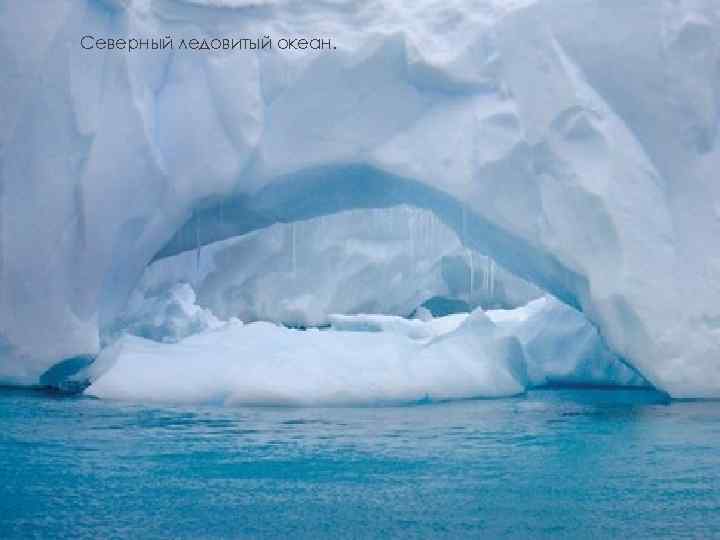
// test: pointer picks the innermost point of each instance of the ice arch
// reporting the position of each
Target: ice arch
(388, 261)
(322, 191)
(585, 158)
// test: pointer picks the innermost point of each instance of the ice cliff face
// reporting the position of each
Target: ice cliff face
(575, 141)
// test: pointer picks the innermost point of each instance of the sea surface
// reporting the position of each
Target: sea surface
(561, 463)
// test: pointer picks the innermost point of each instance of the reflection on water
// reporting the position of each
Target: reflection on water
(554, 463)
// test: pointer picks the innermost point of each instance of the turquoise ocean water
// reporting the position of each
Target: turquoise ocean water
(570, 463)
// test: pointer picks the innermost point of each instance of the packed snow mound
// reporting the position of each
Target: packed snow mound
(576, 140)
(562, 347)
(169, 316)
(387, 260)
(362, 359)
(265, 364)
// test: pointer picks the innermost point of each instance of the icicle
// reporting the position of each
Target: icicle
(293, 253)
(472, 275)
(410, 233)
(486, 277)
(197, 245)
(492, 278)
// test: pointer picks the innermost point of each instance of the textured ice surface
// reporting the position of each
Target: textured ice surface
(388, 260)
(168, 316)
(413, 328)
(262, 363)
(562, 347)
(575, 141)
(361, 359)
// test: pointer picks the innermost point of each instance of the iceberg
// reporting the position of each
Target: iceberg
(574, 142)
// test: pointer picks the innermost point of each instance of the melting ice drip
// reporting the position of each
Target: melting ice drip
(489, 277)
(293, 250)
(468, 255)
(198, 249)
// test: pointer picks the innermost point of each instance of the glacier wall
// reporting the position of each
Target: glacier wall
(574, 141)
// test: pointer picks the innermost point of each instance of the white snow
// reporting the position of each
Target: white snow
(411, 328)
(363, 359)
(169, 316)
(574, 141)
(265, 364)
